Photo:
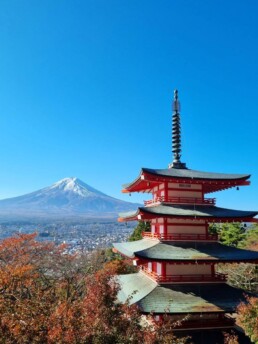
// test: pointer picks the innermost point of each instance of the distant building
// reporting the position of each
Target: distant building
(177, 259)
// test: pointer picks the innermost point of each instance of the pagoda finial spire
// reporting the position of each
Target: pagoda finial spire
(176, 134)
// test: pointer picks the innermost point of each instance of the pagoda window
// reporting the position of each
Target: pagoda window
(182, 186)
(161, 229)
(188, 269)
(184, 193)
(186, 229)
(153, 226)
(180, 193)
(186, 222)
(158, 194)
(159, 268)
(154, 266)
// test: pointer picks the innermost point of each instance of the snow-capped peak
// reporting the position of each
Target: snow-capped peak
(74, 185)
(64, 183)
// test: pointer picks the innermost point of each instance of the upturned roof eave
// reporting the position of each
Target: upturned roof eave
(129, 249)
(193, 175)
(206, 218)
(129, 216)
(126, 187)
(191, 299)
(177, 299)
(197, 211)
(193, 260)
(181, 252)
(194, 212)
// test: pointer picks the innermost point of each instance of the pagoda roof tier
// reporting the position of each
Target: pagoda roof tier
(149, 178)
(204, 212)
(176, 252)
(179, 298)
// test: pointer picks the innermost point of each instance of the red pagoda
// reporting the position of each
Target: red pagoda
(177, 258)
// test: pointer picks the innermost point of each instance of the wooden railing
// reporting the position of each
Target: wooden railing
(184, 278)
(192, 278)
(181, 237)
(181, 200)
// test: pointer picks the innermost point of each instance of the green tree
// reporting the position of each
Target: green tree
(141, 227)
(240, 275)
(250, 240)
(231, 234)
(214, 228)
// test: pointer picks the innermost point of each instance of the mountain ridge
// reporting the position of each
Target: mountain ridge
(68, 197)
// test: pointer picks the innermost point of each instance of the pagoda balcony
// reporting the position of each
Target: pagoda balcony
(180, 200)
(218, 278)
(180, 236)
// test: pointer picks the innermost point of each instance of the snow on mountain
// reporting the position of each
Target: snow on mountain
(76, 186)
(68, 197)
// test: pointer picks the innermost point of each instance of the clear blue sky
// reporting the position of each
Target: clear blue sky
(86, 89)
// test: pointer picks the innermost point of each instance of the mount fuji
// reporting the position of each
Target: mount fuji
(67, 198)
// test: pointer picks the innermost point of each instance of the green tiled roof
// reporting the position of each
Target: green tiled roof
(187, 173)
(128, 248)
(184, 251)
(178, 298)
(198, 211)
(134, 287)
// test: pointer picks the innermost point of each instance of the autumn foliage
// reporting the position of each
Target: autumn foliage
(248, 317)
(50, 296)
